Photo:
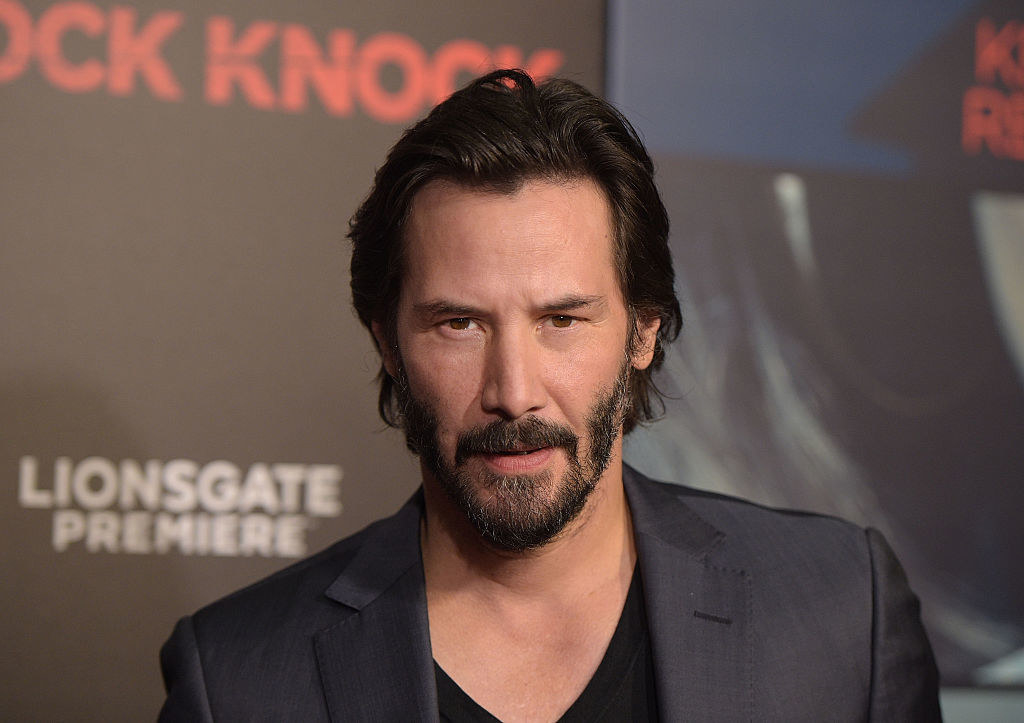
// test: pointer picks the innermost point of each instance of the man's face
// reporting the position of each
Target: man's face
(511, 352)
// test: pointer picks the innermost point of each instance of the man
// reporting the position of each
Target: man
(512, 265)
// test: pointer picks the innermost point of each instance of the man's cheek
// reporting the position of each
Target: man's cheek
(446, 439)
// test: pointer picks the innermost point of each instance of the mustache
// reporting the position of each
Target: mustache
(499, 436)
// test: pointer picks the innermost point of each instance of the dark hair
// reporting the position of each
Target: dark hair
(496, 134)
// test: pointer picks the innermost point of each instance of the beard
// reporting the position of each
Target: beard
(515, 513)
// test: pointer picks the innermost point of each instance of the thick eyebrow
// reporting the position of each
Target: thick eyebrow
(444, 307)
(573, 302)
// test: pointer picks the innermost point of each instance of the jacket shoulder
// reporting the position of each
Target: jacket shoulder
(742, 526)
(221, 658)
(305, 580)
(829, 593)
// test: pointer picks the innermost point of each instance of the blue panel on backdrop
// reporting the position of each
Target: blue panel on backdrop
(846, 187)
(776, 82)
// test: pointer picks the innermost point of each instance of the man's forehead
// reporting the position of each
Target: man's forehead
(546, 240)
(539, 216)
(569, 206)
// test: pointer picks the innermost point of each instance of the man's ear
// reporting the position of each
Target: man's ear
(647, 333)
(387, 350)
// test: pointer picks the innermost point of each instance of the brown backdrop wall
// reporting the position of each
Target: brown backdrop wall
(187, 399)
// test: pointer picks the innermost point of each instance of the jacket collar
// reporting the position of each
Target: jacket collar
(698, 613)
(376, 662)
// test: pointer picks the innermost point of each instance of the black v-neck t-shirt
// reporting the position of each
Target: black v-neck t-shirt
(622, 688)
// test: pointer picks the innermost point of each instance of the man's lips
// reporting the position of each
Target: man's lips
(518, 460)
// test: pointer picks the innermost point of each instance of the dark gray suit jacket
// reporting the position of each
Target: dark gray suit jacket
(754, 614)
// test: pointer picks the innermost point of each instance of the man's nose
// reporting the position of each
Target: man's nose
(513, 386)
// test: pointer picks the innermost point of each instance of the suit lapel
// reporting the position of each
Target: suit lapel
(698, 614)
(376, 664)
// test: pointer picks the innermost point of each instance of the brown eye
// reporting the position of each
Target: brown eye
(561, 322)
(460, 324)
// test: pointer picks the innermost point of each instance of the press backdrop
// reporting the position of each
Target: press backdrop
(187, 401)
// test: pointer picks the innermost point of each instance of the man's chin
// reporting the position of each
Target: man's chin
(517, 512)
(510, 496)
